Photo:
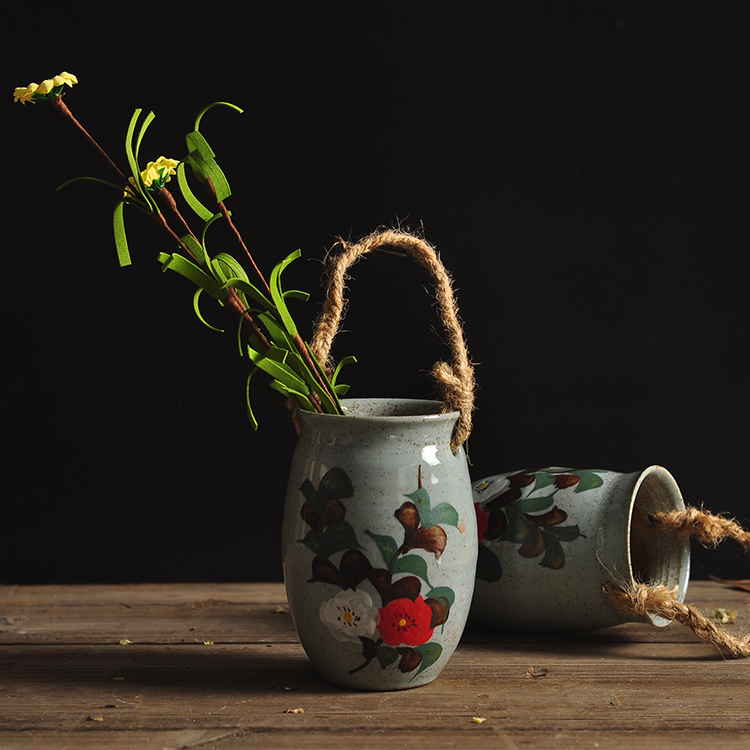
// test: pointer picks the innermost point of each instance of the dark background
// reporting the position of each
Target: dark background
(582, 167)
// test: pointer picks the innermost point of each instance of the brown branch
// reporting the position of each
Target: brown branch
(62, 108)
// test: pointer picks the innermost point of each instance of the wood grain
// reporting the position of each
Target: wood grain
(220, 666)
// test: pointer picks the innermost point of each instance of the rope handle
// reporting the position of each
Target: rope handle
(654, 599)
(456, 380)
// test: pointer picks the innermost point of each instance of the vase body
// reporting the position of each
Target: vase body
(551, 539)
(379, 542)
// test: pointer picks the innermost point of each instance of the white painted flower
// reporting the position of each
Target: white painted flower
(349, 615)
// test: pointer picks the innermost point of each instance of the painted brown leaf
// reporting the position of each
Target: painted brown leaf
(550, 518)
(326, 572)
(408, 587)
(410, 659)
(310, 517)
(534, 546)
(440, 610)
(408, 516)
(505, 498)
(355, 568)
(496, 524)
(522, 479)
(431, 540)
(566, 480)
(334, 512)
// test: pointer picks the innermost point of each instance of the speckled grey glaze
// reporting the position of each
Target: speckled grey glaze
(386, 447)
(615, 544)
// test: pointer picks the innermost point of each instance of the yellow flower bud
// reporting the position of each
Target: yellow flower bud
(45, 86)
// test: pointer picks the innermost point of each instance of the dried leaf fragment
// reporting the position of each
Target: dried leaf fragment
(94, 718)
(208, 643)
(478, 719)
(294, 711)
(725, 615)
(281, 610)
(535, 672)
(125, 642)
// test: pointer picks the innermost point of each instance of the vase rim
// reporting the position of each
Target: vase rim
(390, 409)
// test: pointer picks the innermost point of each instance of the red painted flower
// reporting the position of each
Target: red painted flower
(405, 622)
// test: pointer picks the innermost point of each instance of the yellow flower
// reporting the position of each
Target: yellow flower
(50, 88)
(158, 173)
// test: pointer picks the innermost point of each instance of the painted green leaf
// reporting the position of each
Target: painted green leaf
(589, 481)
(543, 479)
(313, 541)
(563, 533)
(430, 653)
(338, 537)
(488, 565)
(387, 546)
(518, 529)
(442, 591)
(532, 504)
(444, 513)
(335, 485)
(413, 564)
(554, 557)
(387, 655)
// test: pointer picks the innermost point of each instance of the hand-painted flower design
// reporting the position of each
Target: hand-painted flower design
(349, 615)
(51, 88)
(405, 622)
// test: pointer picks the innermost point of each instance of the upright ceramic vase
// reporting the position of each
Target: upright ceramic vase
(379, 542)
(553, 538)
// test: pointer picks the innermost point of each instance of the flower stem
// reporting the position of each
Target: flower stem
(63, 109)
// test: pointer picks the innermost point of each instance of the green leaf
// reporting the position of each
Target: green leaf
(589, 481)
(413, 564)
(563, 533)
(554, 557)
(195, 248)
(121, 240)
(198, 276)
(196, 307)
(532, 504)
(299, 398)
(386, 655)
(518, 529)
(189, 195)
(338, 537)
(201, 160)
(444, 513)
(345, 361)
(313, 542)
(488, 565)
(542, 479)
(386, 544)
(442, 591)
(211, 106)
(250, 415)
(430, 653)
(278, 297)
(335, 485)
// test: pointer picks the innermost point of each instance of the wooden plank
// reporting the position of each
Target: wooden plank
(634, 685)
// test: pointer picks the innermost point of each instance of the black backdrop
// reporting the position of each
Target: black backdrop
(581, 167)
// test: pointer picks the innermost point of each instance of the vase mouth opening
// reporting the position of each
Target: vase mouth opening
(389, 409)
(657, 556)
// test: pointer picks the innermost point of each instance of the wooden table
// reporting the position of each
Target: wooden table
(219, 667)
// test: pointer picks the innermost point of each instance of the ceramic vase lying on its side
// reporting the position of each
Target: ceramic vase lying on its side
(550, 539)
